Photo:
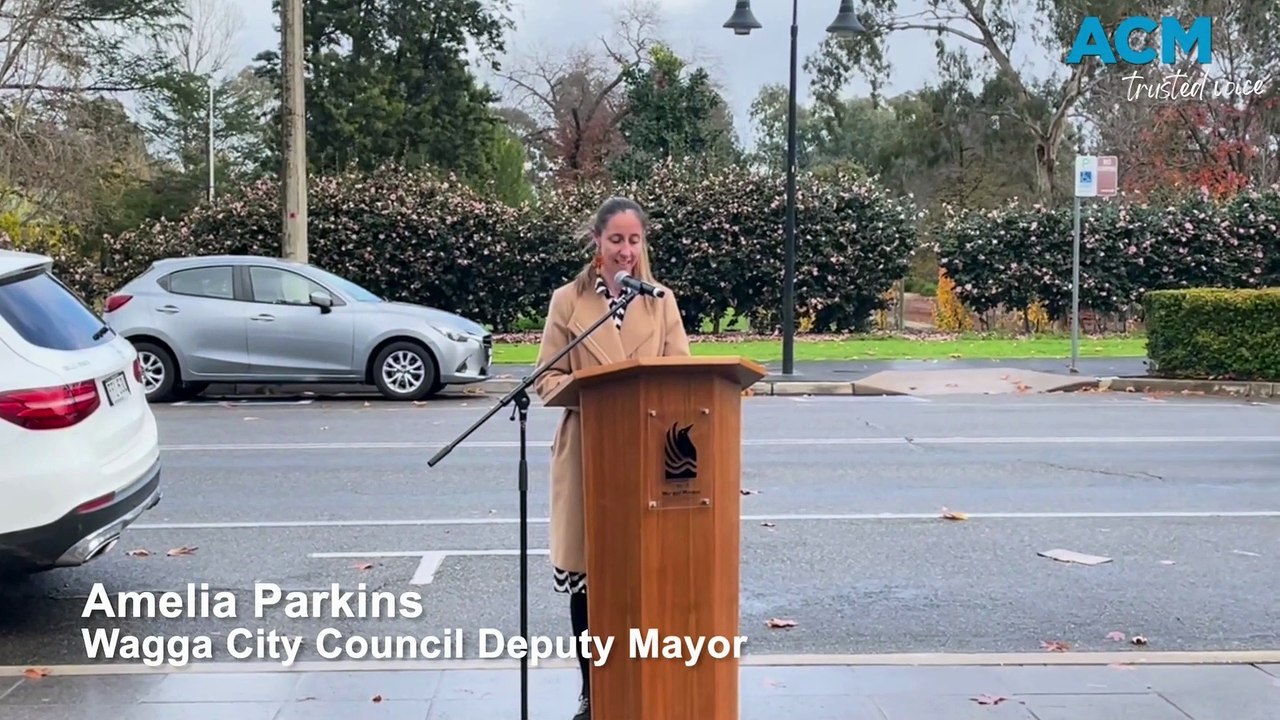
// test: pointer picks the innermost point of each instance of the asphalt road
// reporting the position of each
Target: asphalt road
(842, 533)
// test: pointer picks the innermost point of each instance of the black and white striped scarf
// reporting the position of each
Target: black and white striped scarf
(615, 303)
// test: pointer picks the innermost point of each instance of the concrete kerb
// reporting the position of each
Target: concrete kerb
(1223, 388)
(906, 660)
(797, 388)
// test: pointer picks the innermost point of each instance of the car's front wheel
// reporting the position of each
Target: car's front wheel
(405, 371)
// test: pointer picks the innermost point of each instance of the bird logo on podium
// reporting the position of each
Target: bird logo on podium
(680, 460)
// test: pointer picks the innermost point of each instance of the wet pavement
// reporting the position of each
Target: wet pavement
(1052, 692)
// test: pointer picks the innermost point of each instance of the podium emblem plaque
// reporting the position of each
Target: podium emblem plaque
(679, 477)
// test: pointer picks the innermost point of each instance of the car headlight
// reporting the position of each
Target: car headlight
(454, 335)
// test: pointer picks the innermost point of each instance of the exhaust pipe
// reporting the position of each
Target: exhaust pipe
(102, 547)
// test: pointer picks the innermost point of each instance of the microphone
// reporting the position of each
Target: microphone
(640, 286)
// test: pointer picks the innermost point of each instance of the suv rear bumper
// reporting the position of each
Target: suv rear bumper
(76, 538)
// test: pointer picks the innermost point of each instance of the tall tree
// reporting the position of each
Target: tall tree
(201, 90)
(1044, 106)
(64, 144)
(672, 112)
(1197, 127)
(389, 81)
(575, 100)
(82, 46)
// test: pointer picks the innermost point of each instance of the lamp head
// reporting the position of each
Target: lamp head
(846, 23)
(742, 22)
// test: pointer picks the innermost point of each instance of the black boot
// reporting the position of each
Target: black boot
(584, 708)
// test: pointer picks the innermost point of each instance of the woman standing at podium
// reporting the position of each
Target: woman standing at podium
(647, 327)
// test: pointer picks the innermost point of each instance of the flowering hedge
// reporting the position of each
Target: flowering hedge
(716, 240)
(1018, 254)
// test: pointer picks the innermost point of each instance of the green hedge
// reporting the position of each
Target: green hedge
(716, 239)
(1018, 254)
(1214, 333)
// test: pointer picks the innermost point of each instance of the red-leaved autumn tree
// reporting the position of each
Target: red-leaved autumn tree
(1212, 145)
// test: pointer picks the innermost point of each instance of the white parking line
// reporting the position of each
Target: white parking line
(429, 561)
(840, 517)
(543, 444)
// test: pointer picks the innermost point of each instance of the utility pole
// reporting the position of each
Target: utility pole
(294, 135)
(211, 140)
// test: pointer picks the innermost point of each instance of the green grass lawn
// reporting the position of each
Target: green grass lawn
(889, 348)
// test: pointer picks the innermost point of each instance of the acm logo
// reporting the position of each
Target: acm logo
(1092, 41)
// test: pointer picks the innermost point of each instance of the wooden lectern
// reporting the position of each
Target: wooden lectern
(662, 465)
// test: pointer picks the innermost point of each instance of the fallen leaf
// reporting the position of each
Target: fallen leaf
(184, 550)
(953, 515)
(1138, 640)
(779, 623)
(767, 524)
(955, 356)
(1116, 636)
(745, 491)
(140, 552)
(35, 673)
(1055, 646)
(986, 699)
(364, 566)
(377, 698)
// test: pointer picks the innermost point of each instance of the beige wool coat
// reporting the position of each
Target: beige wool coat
(651, 327)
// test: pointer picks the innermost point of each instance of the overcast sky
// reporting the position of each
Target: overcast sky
(740, 65)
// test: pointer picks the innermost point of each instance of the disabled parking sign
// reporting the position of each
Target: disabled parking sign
(1086, 176)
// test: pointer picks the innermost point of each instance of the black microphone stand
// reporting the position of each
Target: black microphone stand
(520, 397)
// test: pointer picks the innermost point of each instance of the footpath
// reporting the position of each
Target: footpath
(1057, 691)
(875, 378)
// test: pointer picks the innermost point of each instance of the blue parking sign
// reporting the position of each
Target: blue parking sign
(1086, 176)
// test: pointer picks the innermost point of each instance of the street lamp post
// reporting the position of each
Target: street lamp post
(742, 22)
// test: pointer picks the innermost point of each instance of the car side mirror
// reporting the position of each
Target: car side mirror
(323, 301)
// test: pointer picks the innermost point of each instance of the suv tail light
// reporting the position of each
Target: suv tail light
(115, 302)
(50, 408)
(137, 369)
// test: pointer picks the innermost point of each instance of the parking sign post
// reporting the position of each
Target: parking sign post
(1095, 177)
(1086, 186)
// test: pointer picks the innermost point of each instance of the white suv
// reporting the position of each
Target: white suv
(79, 452)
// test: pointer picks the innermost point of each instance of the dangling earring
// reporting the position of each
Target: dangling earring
(597, 262)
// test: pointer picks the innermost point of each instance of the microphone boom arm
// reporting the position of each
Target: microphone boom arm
(519, 396)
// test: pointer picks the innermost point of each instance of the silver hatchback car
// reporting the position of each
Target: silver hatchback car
(246, 319)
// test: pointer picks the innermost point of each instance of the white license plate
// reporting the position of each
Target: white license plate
(117, 388)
